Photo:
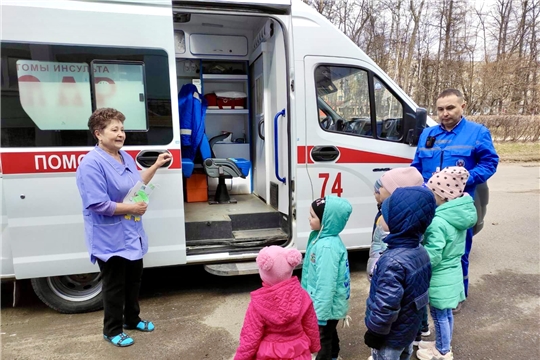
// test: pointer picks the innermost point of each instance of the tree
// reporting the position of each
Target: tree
(490, 53)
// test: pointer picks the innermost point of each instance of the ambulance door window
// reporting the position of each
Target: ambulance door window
(388, 112)
(343, 100)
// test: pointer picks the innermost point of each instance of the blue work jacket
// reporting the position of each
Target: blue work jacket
(468, 144)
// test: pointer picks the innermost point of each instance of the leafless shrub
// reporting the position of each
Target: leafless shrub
(510, 127)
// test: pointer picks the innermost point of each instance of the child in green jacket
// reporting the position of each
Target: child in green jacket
(325, 272)
(444, 241)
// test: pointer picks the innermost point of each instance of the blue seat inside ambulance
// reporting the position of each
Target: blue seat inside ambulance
(232, 167)
(187, 167)
(192, 110)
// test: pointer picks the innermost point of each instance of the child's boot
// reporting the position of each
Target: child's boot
(426, 344)
(425, 330)
(432, 353)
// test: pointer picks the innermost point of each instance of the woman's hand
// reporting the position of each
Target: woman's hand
(139, 208)
(162, 159)
(149, 173)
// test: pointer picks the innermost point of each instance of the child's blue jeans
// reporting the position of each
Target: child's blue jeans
(444, 327)
(388, 353)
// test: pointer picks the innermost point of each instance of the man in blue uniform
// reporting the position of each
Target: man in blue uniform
(457, 142)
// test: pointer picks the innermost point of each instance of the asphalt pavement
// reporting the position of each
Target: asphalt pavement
(199, 316)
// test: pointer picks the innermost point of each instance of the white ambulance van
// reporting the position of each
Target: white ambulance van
(316, 117)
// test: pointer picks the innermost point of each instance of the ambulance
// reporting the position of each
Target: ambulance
(309, 112)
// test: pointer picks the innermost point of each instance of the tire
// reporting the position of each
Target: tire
(70, 294)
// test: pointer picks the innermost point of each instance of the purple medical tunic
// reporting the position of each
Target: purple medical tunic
(101, 178)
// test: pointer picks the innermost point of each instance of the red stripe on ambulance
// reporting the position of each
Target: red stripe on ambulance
(352, 156)
(57, 162)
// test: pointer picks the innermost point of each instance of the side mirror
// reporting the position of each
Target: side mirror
(415, 125)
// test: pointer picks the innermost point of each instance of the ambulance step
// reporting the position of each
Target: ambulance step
(253, 221)
(203, 230)
(243, 239)
(263, 235)
(232, 269)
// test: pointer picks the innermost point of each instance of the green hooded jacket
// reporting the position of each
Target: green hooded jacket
(325, 272)
(444, 241)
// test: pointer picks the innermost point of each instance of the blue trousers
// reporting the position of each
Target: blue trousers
(444, 327)
(388, 353)
(465, 260)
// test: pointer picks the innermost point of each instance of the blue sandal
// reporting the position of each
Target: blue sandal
(145, 326)
(121, 340)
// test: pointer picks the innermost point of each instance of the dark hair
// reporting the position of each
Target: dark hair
(103, 117)
(318, 207)
(450, 92)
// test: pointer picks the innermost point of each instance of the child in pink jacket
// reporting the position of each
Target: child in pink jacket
(280, 322)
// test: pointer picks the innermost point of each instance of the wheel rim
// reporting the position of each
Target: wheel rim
(77, 288)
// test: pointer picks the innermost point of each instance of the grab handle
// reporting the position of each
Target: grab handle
(276, 142)
(261, 124)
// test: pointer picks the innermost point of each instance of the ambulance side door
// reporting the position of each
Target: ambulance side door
(355, 130)
(59, 71)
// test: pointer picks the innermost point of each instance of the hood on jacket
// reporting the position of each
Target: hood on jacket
(282, 303)
(408, 212)
(460, 212)
(336, 214)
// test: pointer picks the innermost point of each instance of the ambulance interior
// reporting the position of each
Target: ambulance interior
(238, 63)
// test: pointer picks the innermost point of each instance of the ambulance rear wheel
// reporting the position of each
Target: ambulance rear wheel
(70, 294)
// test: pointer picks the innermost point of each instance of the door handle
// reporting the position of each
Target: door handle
(148, 158)
(381, 169)
(324, 153)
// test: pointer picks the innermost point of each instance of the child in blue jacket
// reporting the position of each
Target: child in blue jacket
(383, 188)
(325, 272)
(445, 243)
(399, 287)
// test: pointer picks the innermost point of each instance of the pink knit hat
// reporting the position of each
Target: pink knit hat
(276, 264)
(450, 182)
(401, 177)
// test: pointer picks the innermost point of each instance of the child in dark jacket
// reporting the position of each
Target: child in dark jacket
(399, 287)
(445, 243)
(383, 188)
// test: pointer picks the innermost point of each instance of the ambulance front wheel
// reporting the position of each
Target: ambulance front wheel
(70, 294)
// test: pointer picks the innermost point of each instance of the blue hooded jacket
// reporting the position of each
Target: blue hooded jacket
(192, 110)
(399, 287)
(325, 271)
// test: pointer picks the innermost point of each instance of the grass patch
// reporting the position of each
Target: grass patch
(518, 151)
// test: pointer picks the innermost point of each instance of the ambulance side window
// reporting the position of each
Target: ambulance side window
(356, 102)
(55, 95)
(50, 91)
(388, 112)
(122, 88)
(343, 100)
